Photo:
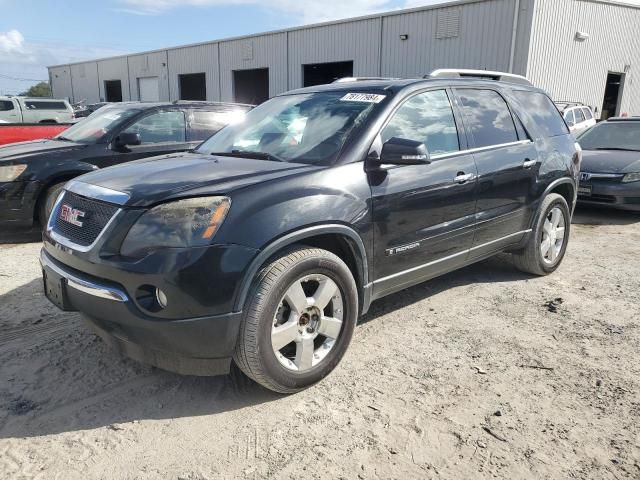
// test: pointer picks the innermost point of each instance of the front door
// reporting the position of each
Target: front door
(423, 214)
(507, 162)
(160, 133)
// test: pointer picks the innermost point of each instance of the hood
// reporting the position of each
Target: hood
(610, 161)
(158, 179)
(34, 148)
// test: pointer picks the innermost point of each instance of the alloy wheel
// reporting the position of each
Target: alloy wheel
(307, 323)
(553, 233)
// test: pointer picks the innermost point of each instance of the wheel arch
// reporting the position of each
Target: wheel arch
(339, 239)
(563, 186)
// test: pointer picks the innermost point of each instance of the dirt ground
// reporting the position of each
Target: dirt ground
(483, 373)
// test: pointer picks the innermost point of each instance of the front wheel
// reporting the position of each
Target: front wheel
(548, 241)
(48, 201)
(298, 321)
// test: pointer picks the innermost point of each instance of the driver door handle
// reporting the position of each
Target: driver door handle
(529, 163)
(464, 178)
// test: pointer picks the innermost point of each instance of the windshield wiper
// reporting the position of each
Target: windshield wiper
(250, 154)
(64, 139)
(619, 148)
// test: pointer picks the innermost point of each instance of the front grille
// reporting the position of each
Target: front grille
(598, 198)
(96, 216)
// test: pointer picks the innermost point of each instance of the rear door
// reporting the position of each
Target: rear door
(507, 162)
(423, 214)
(161, 132)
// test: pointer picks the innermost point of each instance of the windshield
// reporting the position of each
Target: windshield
(612, 136)
(96, 125)
(306, 128)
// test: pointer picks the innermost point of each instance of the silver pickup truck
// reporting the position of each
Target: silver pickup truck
(35, 110)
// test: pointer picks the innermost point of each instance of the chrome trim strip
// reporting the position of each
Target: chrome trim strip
(479, 149)
(65, 241)
(97, 192)
(85, 286)
(603, 175)
(444, 259)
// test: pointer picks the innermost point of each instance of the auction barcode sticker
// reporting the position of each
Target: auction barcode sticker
(363, 97)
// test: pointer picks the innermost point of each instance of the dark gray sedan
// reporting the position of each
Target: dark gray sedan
(610, 172)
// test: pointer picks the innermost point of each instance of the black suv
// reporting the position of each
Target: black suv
(266, 243)
(32, 173)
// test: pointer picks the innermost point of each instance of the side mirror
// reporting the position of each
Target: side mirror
(128, 139)
(571, 123)
(400, 151)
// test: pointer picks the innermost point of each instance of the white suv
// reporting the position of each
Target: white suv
(35, 110)
(579, 117)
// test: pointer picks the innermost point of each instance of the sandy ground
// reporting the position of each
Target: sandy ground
(483, 373)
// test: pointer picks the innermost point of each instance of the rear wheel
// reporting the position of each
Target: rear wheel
(299, 320)
(548, 242)
(48, 201)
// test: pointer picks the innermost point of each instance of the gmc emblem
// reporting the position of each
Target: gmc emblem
(585, 177)
(71, 215)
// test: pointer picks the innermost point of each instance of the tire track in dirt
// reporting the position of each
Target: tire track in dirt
(34, 334)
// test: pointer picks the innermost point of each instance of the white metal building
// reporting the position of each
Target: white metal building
(579, 50)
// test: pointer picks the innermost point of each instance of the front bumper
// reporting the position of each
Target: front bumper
(613, 194)
(17, 203)
(192, 345)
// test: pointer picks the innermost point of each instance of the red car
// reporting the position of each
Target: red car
(21, 132)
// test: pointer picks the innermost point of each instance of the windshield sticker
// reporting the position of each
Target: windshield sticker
(362, 97)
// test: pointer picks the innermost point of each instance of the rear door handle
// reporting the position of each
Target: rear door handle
(529, 163)
(464, 178)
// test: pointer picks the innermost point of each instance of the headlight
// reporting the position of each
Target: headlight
(631, 177)
(183, 223)
(9, 173)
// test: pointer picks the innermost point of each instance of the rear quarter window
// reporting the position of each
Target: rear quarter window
(543, 111)
(40, 105)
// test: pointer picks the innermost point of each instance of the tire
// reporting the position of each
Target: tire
(271, 317)
(48, 200)
(531, 258)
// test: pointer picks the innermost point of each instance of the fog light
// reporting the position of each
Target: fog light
(161, 298)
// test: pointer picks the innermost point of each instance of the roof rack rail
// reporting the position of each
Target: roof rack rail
(362, 79)
(487, 74)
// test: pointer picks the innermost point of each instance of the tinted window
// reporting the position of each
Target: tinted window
(579, 115)
(543, 111)
(488, 117)
(40, 105)
(587, 113)
(204, 124)
(6, 105)
(98, 124)
(160, 127)
(427, 118)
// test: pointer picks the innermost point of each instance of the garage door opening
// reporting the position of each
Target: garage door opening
(193, 86)
(321, 73)
(612, 95)
(148, 89)
(251, 86)
(113, 90)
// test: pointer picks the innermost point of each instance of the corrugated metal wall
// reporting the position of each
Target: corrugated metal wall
(358, 41)
(481, 40)
(265, 51)
(60, 78)
(85, 82)
(577, 70)
(149, 65)
(196, 59)
(469, 34)
(114, 69)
